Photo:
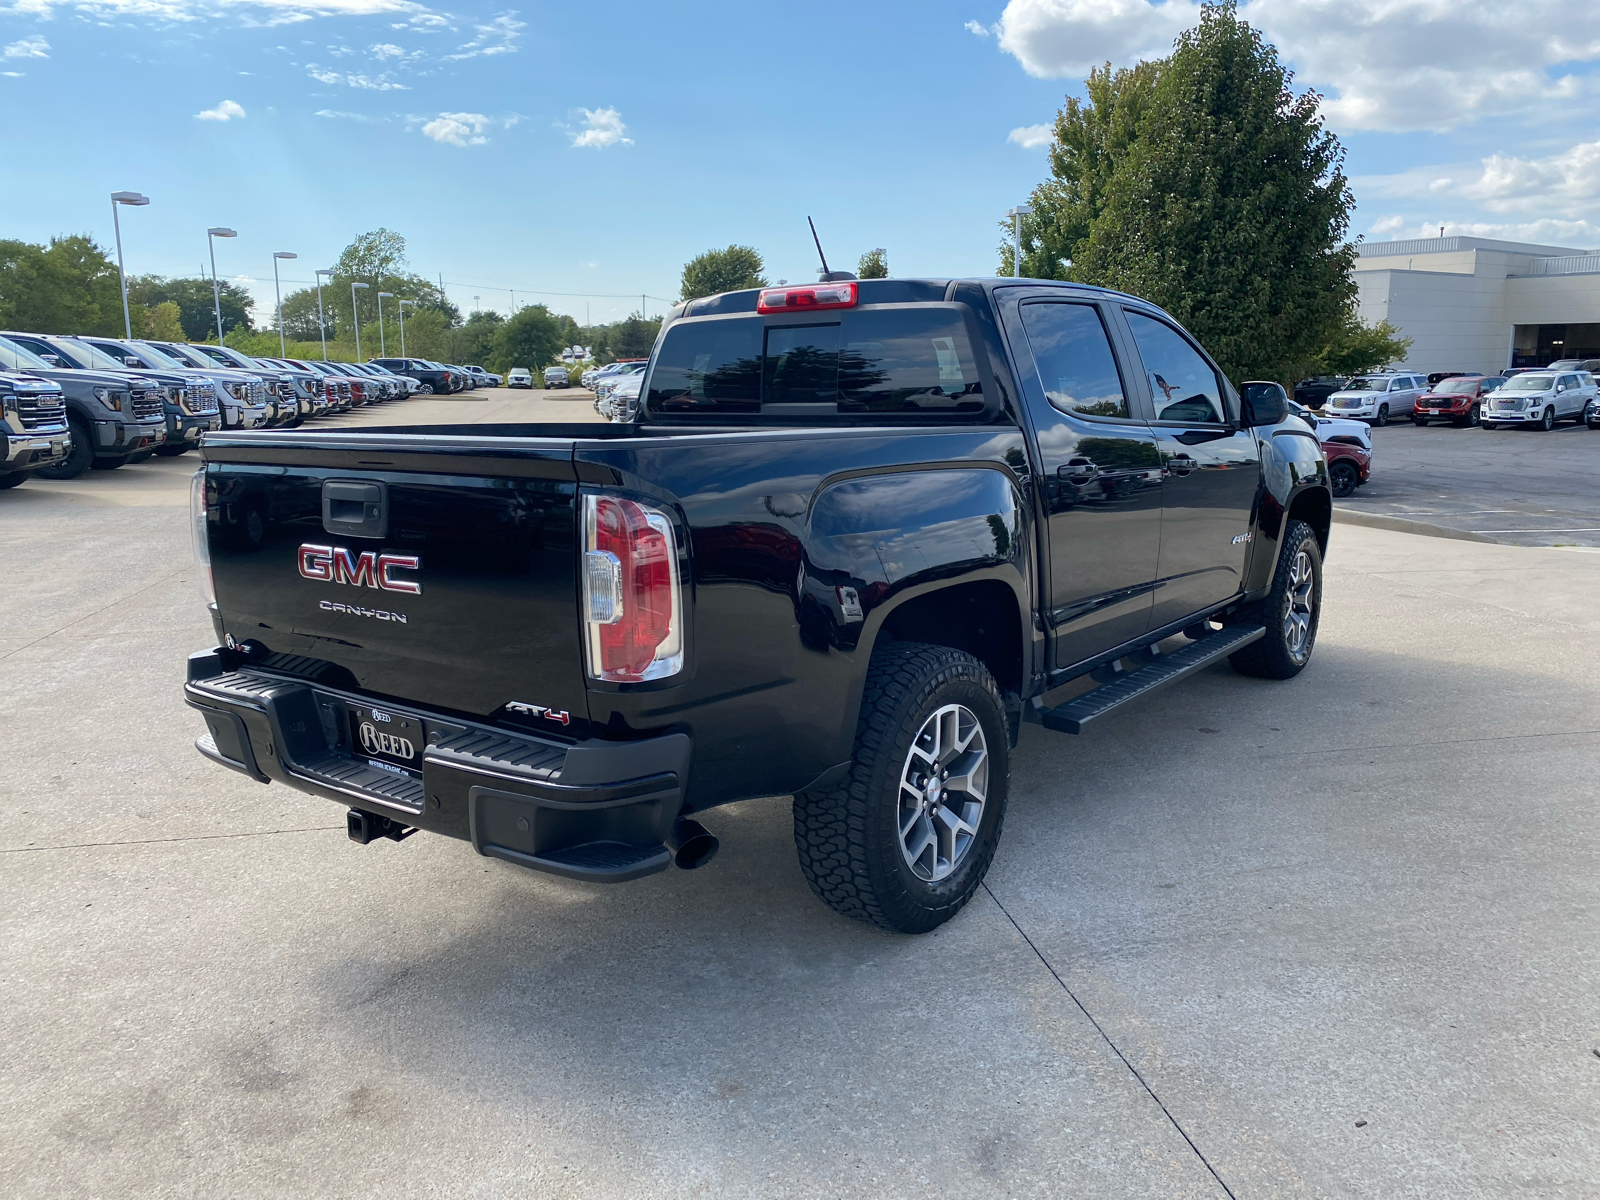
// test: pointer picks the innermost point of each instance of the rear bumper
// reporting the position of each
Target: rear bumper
(594, 810)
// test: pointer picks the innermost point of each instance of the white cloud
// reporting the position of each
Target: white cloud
(356, 79)
(1031, 137)
(1562, 187)
(336, 114)
(605, 128)
(1385, 64)
(497, 37)
(385, 50)
(1576, 235)
(28, 47)
(226, 111)
(284, 11)
(457, 129)
(12, 74)
(976, 29)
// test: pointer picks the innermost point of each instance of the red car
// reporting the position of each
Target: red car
(1349, 464)
(1458, 399)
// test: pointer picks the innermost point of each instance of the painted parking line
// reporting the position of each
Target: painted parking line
(1580, 529)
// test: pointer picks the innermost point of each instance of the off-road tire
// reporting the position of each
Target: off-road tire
(1270, 657)
(78, 458)
(12, 478)
(847, 836)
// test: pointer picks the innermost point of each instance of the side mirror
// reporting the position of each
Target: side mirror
(53, 359)
(1264, 408)
(129, 360)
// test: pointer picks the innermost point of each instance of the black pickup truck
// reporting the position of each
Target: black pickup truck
(858, 532)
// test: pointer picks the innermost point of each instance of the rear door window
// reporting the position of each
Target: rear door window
(915, 359)
(1182, 382)
(1073, 355)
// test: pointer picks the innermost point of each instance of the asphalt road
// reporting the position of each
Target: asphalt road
(1332, 937)
(1518, 486)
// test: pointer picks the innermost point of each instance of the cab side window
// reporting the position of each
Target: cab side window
(1182, 383)
(1073, 354)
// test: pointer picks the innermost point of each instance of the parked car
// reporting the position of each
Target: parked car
(1591, 365)
(1314, 392)
(622, 401)
(241, 394)
(310, 389)
(282, 401)
(1456, 398)
(1376, 397)
(509, 641)
(557, 377)
(115, 415)
(33, 417)
(519, 377)
(431, 377)
(465, 381)
(294, 385)
(1435, 376)
(363, 388)
(336, 385)
(606, 383)
(1591, 410)
(1540, 399)
(389, 386)
(407, 385)
(484, 378)
(596, 375)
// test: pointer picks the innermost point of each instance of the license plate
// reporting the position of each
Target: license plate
(389, 741)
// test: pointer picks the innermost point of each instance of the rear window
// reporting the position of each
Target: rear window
(911, 360)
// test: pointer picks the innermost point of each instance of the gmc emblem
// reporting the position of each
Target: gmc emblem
(335, 564)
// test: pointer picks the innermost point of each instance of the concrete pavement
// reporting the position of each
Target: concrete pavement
(1221, 931)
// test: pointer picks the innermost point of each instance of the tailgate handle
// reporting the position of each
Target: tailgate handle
(352, 508)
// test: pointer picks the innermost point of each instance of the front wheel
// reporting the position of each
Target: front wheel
(1344, 477)
(78, 457)
(1474, 416)
(1290, 611)
(1548, 421)
(906, 838)
(13, 478)
(1418, 420)
(1487, 425)
(1382, 418)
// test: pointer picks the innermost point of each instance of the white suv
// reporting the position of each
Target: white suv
(1540, 399)
(1377, 397)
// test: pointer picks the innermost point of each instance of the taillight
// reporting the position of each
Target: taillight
(806, 299)
(632, 610)
(197, 529)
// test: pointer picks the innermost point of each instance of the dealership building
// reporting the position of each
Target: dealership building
(1475, 304)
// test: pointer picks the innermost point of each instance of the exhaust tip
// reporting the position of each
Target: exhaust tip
(692, 845)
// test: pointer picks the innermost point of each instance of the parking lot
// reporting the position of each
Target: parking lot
(1518, 486)
(1331, 937)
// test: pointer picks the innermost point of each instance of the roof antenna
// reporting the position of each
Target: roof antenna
(827, 275)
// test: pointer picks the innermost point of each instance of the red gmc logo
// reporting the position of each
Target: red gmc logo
(335, 564)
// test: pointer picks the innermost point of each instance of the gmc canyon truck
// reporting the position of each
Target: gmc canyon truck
(856, 535)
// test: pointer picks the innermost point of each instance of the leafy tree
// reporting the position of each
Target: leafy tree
(1355, 347)
(729, 270)
(192, 295)
(874, 264)
(69, 286)
(300, 315)
(164, 323)
(530, 339)
(1203, 184)
(378, 259)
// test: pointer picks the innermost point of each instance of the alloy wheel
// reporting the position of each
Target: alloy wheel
(943, 786)
(1297, 621)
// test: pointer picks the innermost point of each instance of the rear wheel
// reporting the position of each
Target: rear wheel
(1344, 477)
(1290, 611)
(78, 458)
(906, 838)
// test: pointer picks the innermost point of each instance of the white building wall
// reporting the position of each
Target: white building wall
(1554, 299)
(1456, 322)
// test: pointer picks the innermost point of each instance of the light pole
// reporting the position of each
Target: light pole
(277, 291)
(212, 235)
(1016, 214)
(321, 323)
(355, 312)
(137, 201)
(383, 351)
(403, 304)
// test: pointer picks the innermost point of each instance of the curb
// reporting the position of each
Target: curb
(1345, 516)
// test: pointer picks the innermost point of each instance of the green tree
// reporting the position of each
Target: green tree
(530, 339)
(874, 264)
(69, 286)
(1203, 184)
(300, 315)
(192, 295)
(164, 323)
(378, 259)
(729, 270)
(1356, 347)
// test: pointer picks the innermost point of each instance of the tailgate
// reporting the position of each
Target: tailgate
(453, 591)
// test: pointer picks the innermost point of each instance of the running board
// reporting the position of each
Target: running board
(1072, 716)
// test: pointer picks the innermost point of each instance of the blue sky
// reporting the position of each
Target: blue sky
(592, 149)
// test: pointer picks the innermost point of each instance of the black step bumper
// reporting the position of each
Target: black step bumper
(596, 810)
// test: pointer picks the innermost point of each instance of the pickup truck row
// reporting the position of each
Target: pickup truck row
(852, 537)
(126, 400)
